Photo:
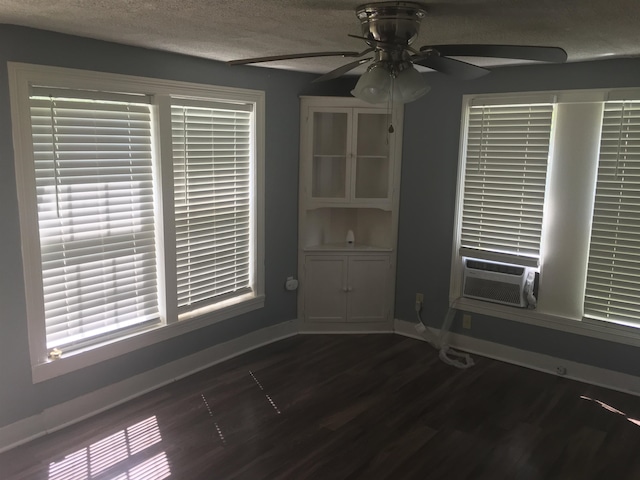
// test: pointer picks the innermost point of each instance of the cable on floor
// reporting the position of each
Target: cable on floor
(440, 342)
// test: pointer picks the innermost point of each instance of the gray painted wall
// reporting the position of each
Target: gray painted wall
(427, 204)
(19, 398)
(429, 175)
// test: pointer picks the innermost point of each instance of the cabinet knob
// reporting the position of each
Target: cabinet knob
(349, 289)
(345, 289)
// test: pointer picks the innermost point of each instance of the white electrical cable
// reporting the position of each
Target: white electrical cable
(447, 354)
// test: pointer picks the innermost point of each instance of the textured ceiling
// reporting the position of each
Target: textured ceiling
(233, 29)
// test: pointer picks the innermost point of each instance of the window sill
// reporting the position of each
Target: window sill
(138, 340)
(590, 328)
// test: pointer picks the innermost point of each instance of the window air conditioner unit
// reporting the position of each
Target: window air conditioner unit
(499, 283)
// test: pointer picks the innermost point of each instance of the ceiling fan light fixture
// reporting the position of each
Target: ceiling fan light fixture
(409, 85)
(374, 85)
(383, 79)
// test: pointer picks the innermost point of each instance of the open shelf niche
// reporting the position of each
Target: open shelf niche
(326, 229)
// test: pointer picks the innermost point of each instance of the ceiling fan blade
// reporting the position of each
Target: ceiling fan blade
(463, 70)
(523, 52)
(341, 70)
(294, 56)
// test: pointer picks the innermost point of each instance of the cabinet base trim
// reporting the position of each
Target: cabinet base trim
(328, 328)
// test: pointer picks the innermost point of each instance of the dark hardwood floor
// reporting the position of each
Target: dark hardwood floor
(349, 407)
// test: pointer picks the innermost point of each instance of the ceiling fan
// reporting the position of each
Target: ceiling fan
(389, 29)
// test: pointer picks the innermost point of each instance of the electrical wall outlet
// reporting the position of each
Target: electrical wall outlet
(466, 321)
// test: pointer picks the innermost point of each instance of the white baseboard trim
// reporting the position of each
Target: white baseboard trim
(535, 361)
(80, 408)
(407, 329)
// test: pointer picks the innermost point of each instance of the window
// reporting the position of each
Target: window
(93, 171)
(140, 208)
(507, 148)
(613, 276)
(212, 201)
(555, 185)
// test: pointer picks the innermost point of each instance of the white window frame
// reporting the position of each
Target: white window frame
(557, 263)
(21, 76)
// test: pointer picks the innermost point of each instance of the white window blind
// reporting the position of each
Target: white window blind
(93, 173)
(212, 155)
(613, 275)
(507, 151)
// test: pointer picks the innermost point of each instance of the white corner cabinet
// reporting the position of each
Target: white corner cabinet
(350, 155)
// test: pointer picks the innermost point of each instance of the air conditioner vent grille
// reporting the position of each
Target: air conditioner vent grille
(484, 288)
(495, 267)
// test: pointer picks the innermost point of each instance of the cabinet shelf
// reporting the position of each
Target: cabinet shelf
(383, 205)
(345, 247)
(326, 228)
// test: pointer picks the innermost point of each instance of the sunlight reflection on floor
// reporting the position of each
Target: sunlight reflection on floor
(611, 409)
(269, 399)
(109, 455)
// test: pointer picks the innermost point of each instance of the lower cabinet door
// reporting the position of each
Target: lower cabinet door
(325, 295)
(368, 288)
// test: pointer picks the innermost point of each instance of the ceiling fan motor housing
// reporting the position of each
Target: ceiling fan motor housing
(396, 23)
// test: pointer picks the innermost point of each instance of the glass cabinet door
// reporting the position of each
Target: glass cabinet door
(329, 173)
(372, 162)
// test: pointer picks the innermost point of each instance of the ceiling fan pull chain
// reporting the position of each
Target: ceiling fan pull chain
(390, 106)
(615, 174)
